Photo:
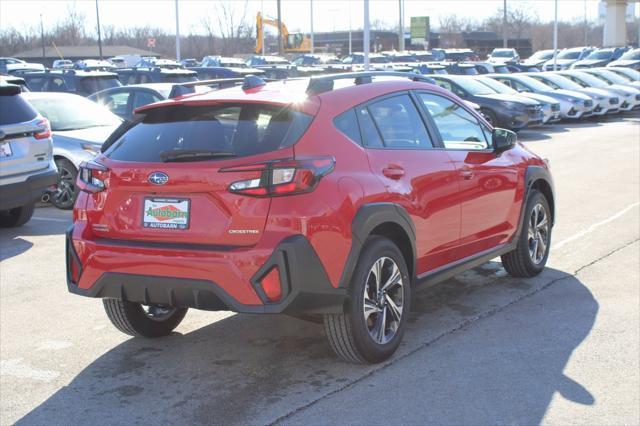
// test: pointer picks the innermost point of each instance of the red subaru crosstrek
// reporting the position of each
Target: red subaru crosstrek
(327, 198)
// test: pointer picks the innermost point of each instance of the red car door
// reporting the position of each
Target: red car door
(416, 176)
(488, 181)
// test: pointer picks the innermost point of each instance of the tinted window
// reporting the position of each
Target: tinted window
(458, 128)
(144, 98)
(91, 85)
(347, 123)
(241, 130)
(15, 110)
(116, 102)
(177, 78)
(399, 123)
(35, 83)
(370, 133)
(57, 84)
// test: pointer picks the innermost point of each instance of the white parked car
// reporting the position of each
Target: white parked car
(501, 56)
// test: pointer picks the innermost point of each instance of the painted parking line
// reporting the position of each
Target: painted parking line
(51, 219)
(593, 227)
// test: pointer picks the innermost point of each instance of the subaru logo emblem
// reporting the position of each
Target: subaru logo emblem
(158, 178)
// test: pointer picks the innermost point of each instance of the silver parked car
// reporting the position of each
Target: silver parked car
(26, 160)
(629, 97)
(79, 128)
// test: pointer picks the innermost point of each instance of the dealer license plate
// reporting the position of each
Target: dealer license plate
(166, 213)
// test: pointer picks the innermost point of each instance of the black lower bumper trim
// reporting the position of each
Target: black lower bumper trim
(305, 285)
(28, 191)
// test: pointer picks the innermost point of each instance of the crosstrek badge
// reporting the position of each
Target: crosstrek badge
(166, 213)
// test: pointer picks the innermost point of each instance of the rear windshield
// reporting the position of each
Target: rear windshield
(15, 110)
(237, 129)
(90, 85)
(178, 78)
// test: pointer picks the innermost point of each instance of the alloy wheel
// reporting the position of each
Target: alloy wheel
(538, 233)
(66, 189)
(157, 312)
(383, 300)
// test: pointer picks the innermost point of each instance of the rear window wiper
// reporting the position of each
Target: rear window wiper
(192, 155)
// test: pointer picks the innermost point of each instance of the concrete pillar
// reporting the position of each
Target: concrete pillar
(615, 26)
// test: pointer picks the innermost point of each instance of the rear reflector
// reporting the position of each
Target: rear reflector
(271, 285)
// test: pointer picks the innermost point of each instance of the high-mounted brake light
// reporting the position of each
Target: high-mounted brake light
(282, 177)
(92, 177)
(44, 131)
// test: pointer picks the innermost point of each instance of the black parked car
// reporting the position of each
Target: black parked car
(501, 110)
(142, 75)
(600, 57)
(81, 83)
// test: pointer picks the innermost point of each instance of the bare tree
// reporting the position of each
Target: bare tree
(232, 22)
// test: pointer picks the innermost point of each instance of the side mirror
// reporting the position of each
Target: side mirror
(503, 140)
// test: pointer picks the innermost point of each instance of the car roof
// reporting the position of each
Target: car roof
(51, 95)
(287, 92)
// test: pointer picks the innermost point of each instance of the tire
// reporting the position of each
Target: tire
(521, 262)
(65, 197)
(16, 217)
(490, 116)
(351, 335)
(130, 318)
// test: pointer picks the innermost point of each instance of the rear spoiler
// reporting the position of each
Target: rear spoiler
(9, 89)
(215, 84)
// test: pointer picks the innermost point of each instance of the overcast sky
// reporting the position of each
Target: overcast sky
(328, 14)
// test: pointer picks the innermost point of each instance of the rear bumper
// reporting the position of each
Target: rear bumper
(306, 289)
(28, 191)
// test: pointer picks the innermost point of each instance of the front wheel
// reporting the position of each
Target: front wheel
(530, 256)
(371, 328)
(140, 320)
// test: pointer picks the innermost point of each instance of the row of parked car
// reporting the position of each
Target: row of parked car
(509, 100)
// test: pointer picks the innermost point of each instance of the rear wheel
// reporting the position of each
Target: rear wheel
(16, 217)
(530, 256)
(65, 196)
(140, 320)
(372, 326)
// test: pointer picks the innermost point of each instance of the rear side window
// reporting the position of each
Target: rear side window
(91, 85)
(15, 110)
(347, 123)
(239, 130)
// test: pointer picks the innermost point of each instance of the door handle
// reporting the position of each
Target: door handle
(466, 173)
(393, 172)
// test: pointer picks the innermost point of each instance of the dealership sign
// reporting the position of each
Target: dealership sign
(419, 29)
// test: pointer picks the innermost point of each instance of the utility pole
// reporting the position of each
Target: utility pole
(99, 32)
(177, 33)
(42, 37)
(504, 25)
(400, 27)
(585, 23)
(365, 36)
(311, 4)
(349, 6)
(280, 44)
(555, 36)
(264, 44)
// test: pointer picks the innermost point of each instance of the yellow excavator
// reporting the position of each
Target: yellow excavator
(293, 43)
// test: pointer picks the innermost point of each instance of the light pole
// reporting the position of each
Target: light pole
(311, 4)
(555, 36)
(42, 37)
(365, 36)
(349, 6)
(400, 27)
(99, 33)
(280, 44)
(585, 22)
(177, 33)
(504, 25)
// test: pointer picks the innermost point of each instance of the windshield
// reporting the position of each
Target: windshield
(542, 54)
(90, 85)
(404, 58)
(379, 60)
(496, 85)
(632, 75)
(559, 81)
(178, 78)
(474, 87)
(533, 84)
(502, 54)
(569, 54)
(601, 54)
(232, 130)
(610, 77)
(590, 80)
(73, 113)
(633, 55)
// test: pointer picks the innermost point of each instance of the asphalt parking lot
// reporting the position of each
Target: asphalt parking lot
(482, 348)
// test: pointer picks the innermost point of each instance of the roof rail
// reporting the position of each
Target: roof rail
(324, 83)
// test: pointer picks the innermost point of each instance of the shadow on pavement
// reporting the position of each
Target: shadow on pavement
(45, 221)
(253, 369)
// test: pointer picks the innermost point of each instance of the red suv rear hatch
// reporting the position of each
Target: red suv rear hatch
(168, 178)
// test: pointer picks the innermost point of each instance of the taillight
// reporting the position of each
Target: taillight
(92, 177)
(44, 131)
(282, 177)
